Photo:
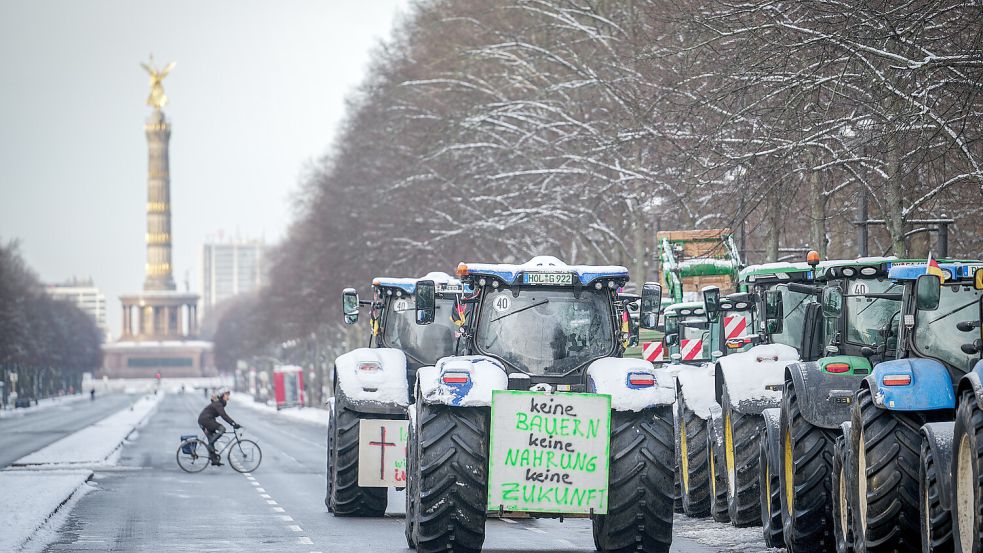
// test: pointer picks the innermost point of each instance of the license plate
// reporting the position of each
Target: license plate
(559, 279)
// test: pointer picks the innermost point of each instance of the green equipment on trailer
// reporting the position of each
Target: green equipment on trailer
(693, 259)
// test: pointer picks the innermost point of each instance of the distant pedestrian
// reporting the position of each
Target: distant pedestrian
(92, 394)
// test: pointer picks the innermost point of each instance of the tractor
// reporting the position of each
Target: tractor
(371, 391)
(538, 413)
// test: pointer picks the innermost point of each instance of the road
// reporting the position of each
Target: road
(23, 434)
(147, 503)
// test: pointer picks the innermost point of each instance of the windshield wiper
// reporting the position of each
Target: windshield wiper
(530, 306)
(956, 310)
(869, 305)
(794, 309)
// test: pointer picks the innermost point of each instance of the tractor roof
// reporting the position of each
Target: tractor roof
(685, 308)
(510, 273)
(954, 271)
(444, 282)
(775, 272)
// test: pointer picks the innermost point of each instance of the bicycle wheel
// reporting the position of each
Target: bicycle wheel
(192, 455)
(245, 456)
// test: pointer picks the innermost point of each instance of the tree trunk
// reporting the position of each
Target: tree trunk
(817, 205)
(774, 218)
(641, 259)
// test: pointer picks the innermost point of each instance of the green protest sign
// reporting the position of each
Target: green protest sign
(548, 453)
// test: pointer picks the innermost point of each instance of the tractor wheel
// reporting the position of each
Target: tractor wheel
(330, 453)
(677, 492)
(346, 498)
(452, 455)
(412, 487)
(694, 472)
(967, 470)
(741, 433)
(935, 520)
(639, 514)
(771, 489)
(718, 469)
(840, 487)
(807, 453)
(885, 450)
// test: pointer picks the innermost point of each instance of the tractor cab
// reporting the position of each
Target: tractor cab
(782, 298)
(687, 333)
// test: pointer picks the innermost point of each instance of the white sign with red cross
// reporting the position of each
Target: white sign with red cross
(734, 326)
(382, 453)
(652, 351)
(690, 349)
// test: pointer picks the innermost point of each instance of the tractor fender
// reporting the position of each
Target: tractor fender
(695, 388)
(973, 380)
(373, 380)
(773, 436)
(825, 398)
(938, 435)
(483, 375)
(755, 378)
(610, 376)
(930, 386)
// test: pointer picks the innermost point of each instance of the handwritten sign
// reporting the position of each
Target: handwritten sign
(548, 453)
(382, 453)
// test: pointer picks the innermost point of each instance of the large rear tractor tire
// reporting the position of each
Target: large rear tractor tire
(967, 471)
(452, 452)
(718, 468)
(640, 498)
(412, 488)
(841, 493)
(345, 498)
(935, 520)
(769, 479)
(808, 465)
(886, 447)
(741, 432)
(694, 466)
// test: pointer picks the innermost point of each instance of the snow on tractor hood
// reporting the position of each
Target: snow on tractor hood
(463, 381)
(613, 376)
(696, 387)
(373, 375)
(750, 374)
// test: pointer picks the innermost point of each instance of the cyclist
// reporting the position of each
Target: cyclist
(208, 421)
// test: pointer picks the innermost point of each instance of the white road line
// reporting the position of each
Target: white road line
(248, 474)
(304, 540)
(255, 483)
(271, 502)
(260, 490)
(250, 478)
(265, 496)
(286, 518)
(508, 520)
(537, 530)
(278, 509)
(294, 528)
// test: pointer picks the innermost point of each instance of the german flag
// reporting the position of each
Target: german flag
(932, 268)
(457, 314)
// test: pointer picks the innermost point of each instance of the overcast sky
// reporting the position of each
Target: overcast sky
(256, 96)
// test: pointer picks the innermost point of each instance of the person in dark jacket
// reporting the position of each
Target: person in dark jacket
(213, 429)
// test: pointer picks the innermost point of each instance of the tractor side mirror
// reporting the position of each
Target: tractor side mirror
(651, 306)
(349, 305)
(774, 311)
(671, 339)
(426, 302)
(928, 289)
(831, 300)
(711, 303)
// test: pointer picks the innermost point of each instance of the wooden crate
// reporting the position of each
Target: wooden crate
(697, 243)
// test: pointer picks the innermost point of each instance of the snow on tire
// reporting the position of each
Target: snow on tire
(808, 465)
(640, 498)
(718, 469)
(412, 489)
(967, 470)
(741, 433)
(452, 489)
(345, 497)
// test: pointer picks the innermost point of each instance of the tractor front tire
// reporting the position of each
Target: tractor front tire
(345, 497)
(639, 516)
(935, 520)
(967, 471)
(718, 469)
(741, 432)
(840, 484)
(808, 464)
(452, 452)
(694, 471)
(771, 489)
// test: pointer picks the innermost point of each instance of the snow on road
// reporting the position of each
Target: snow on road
(724, 538)
(306, 414)
(43, 404)
(30, 498)
(94, 444)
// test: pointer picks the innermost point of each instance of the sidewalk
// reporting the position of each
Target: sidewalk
(38, 485)
(43, 404)
(312, 415)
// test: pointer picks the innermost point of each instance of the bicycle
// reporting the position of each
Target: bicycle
(244, 455)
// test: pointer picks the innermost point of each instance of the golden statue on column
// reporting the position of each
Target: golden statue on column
(157, 99)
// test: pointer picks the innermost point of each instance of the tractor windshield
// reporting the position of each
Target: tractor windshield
(422, 343)
(936, 334)
(867, 318)
(793, 317)
(546, 331)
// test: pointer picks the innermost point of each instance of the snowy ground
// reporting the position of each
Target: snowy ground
(306, 414)
(30, 498)
(724, 538)
(43, 404)
(95, 444)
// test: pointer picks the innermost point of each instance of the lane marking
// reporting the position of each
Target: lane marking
(271, 502)
(278, 509)
(508, 520)
(265, 496)
(304, 540)
(260, 490)
(255, 483)
(537, 530)
(286, 518)
(294, 528)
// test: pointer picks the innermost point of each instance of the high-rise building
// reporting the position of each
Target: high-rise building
(230, 268)
(85, 296)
